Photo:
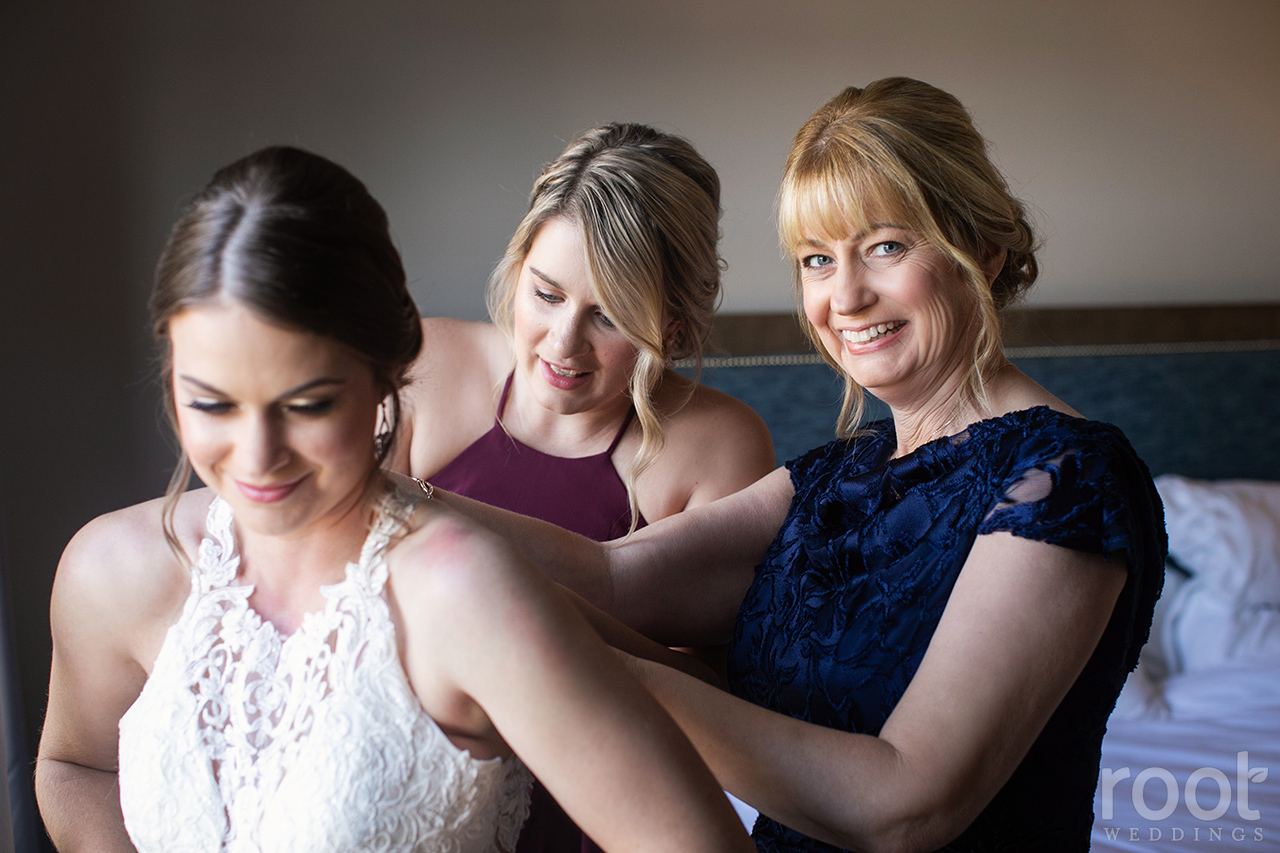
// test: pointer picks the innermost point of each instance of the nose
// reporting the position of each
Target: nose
(849, 292)
(262, 446)
(570, 337)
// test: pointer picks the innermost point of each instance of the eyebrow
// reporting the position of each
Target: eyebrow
(540, 274)
(875, 226)
(323, 381)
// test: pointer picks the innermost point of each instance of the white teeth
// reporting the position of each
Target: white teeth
(568, 374)
(870, 333)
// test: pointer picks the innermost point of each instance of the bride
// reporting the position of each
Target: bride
(306, 655)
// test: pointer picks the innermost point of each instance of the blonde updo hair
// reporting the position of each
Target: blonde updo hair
(648, 207)
(905, 152)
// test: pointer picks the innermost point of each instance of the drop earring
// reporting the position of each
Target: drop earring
(382, 441)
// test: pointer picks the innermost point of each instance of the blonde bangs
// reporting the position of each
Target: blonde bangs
(840, 194)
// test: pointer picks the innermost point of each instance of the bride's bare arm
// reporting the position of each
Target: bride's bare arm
(103, 598)
(678, 581)
(489, 640)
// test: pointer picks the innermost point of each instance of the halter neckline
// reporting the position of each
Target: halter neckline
(613, 445)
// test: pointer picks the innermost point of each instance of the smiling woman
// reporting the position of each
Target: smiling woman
(565, 408)
(931, 616)
(891, 309)
(569, 354)
(307, 655)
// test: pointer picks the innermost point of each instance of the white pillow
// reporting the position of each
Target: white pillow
(1204, 630)
(1226, 533)
(1160, 655)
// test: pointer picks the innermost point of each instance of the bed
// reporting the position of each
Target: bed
(1191, 759)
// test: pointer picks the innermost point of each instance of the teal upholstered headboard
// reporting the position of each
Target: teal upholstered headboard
(1207, 410)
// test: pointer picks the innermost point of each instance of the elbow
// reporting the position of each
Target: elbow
(907, 835)
(930, 823)
(905, 827)
(906, 838)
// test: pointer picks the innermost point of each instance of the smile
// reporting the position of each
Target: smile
(870, 334)
(565, 372)
(564, 379)
(267, 494)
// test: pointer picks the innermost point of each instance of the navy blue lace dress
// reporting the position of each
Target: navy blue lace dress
(850, 592)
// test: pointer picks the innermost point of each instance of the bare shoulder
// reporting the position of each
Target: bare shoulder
(119, 567)
(453, 394)
(442, 551)
(715, 444)
(449, 578)
(459, 350)
(1016, 391)
(695, 411)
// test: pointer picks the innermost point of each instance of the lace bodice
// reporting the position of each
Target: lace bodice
(243, 740)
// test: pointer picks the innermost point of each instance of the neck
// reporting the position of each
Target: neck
(947, 410)
(575, 434)
(295, 564)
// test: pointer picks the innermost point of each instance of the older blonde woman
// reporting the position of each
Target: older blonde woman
(932, 616)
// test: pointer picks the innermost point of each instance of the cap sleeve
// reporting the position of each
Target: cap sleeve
(1079, 484)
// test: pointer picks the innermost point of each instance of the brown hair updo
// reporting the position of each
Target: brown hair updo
(300, 241)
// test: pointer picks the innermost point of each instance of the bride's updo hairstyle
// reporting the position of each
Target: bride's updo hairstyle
(299, 241)
(904, 152)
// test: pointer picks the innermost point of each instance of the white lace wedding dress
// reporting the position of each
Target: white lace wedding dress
(242, 740)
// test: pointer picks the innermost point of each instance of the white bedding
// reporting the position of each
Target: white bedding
(1221, 740)
(1191, 760)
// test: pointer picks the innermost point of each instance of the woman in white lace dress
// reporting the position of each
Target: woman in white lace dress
(306, 656)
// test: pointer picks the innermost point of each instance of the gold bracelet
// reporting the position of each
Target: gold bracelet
(427, 489)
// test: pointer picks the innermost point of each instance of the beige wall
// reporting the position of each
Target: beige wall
(1145, 134)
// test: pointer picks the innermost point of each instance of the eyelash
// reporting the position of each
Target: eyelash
(810, 261)
(315, 407)
(899, 246)
(312, 409)
(552, 299)
(209, 408)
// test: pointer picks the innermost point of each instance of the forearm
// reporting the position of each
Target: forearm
(80, 807)
(681, 580)
(633, 643)
(678, 581)
(846, 789)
